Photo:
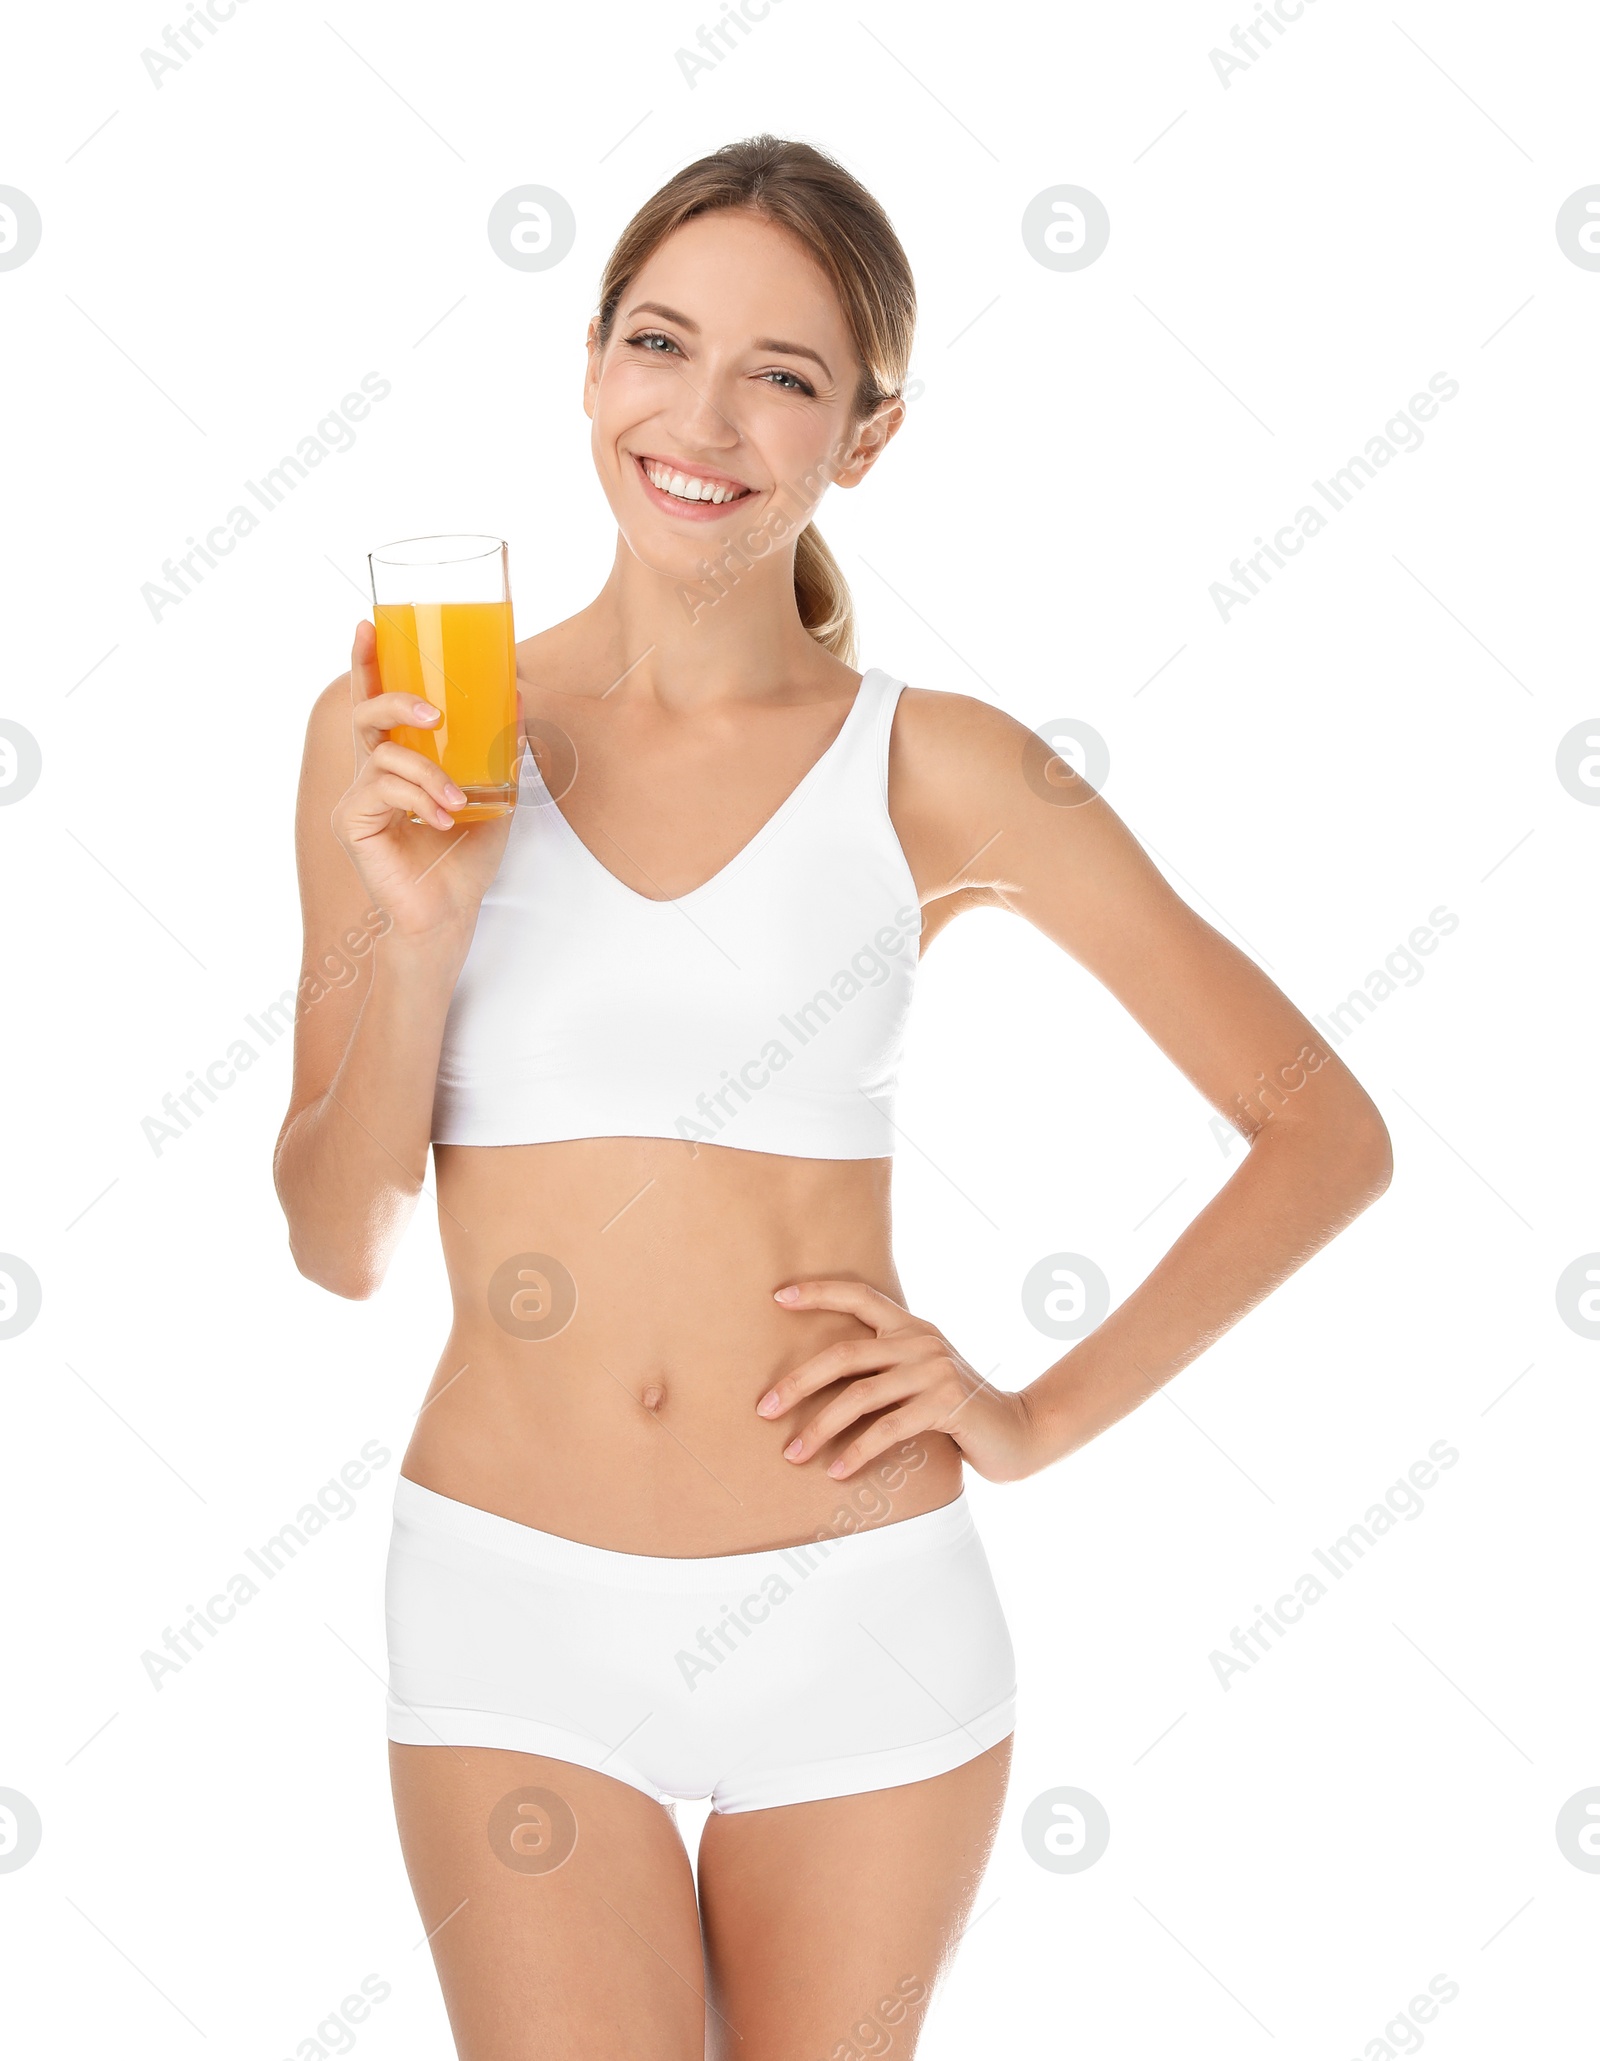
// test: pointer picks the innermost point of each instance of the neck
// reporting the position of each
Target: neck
(731, 632)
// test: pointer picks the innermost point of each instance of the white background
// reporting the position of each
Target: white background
(1292, 256)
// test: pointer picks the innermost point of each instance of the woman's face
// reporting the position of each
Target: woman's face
(722, 407)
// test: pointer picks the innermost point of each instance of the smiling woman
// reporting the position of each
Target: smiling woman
(845, 352)
(681, 1385)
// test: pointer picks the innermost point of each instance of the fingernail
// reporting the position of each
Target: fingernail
(453, 795)
(426, 712)
(786, 1295)
(836, 1469)
(446, 822)
(768, 1405)
(792, 1450)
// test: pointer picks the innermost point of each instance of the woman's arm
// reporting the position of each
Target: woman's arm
(353, 1150)
(1303, 1180)
(983, 810)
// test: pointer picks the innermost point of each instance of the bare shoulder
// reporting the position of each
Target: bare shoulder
(332, 705)
(940, 737)
(966, 783)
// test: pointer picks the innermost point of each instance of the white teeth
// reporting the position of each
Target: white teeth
(686, 488)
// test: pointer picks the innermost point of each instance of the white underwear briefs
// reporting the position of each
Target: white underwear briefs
(754, 1679)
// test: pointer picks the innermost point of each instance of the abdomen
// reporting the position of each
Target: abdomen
(614, 1316)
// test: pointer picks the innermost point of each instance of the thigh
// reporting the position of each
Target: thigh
(559, 1905)
(827, 1924)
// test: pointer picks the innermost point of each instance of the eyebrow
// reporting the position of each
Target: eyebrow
(762, 343)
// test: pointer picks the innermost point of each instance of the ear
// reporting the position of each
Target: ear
(591, 373)
(871, 440)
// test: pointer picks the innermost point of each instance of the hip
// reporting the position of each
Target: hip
(756, 1678)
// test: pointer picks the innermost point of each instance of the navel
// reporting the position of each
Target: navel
(654, 1396)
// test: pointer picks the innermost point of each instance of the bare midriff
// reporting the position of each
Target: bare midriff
(631, 1423)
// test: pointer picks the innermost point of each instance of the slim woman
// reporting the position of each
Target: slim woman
(683, 1513)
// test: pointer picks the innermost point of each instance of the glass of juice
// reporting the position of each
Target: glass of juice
(442, 609)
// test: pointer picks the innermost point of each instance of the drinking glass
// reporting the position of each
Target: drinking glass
(442, 610)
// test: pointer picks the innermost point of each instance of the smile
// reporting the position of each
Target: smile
(685, 489)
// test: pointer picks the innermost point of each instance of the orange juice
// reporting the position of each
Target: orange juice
(460, 655)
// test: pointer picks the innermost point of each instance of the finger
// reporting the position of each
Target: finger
(365, 682)
(387, 792)
(421, 772)
(858, 1399)
(834, 1362)
(855, 1298)
(892, 1430)
(381, 712)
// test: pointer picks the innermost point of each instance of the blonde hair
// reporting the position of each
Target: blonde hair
(851, 238)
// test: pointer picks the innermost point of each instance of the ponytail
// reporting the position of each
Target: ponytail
(822, 596)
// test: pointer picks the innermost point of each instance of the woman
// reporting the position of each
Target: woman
(683, 1512)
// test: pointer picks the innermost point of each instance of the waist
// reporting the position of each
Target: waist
(948, 1523)
(615, 1327)
(648, 1243)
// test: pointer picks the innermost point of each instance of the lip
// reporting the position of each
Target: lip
(690, 511)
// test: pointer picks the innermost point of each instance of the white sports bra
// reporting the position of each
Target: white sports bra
(764, 1009)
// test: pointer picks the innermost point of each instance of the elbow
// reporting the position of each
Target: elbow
(1369, 1154)
(1348, 1155)
(339, 1238)
(332, 1254)
(349, 1275)
(1385, 1164)
(353, 1286)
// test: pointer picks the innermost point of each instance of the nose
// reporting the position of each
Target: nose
(703, 412)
